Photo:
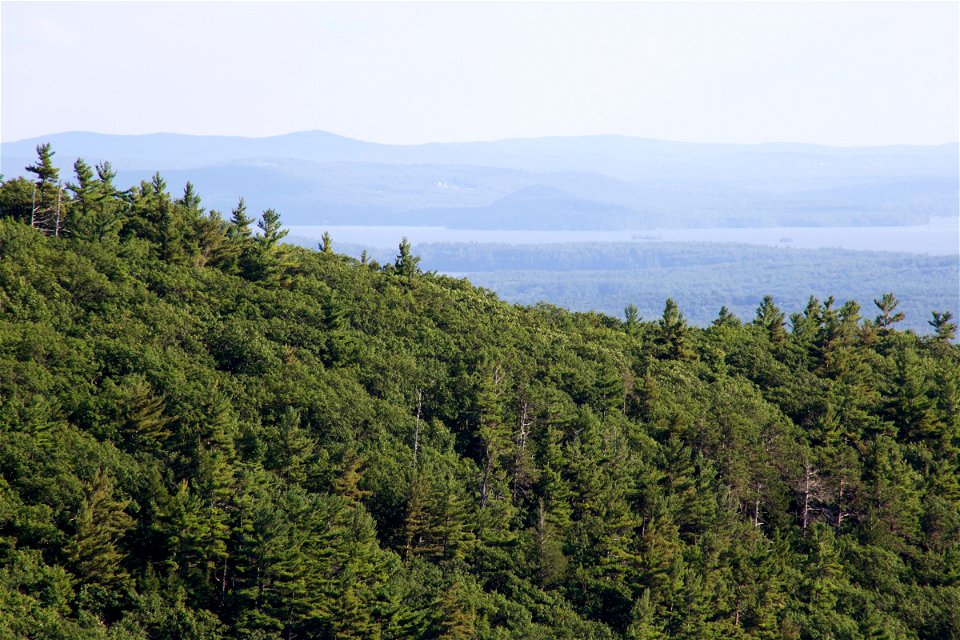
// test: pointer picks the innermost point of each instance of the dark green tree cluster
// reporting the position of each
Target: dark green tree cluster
(206, 434)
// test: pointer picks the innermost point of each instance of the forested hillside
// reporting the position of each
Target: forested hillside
(206, 434)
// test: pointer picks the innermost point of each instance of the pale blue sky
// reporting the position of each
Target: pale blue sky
(855, 73)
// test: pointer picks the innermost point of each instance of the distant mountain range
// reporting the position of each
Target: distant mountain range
(592, 182)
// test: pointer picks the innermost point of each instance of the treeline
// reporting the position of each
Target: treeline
(205, 433)
(700, 276)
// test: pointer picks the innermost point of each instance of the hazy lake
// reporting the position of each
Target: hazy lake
(941, 236)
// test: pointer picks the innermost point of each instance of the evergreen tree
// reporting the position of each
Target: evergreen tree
(271, 230)
(291, 448)
(146, 424)
(631, 317)
(103, 219)
(888, 315)
(190, 198)
(644, 625)
(406, 263)
(83, 190)
(239, 222)
(673, 333)
(944, 330)
(214, 247)
(326, 246)
(263, 262)
(726, 319)
(771, 318)
(235, 253)
(48, 208)
(100, 523)
(458, 616)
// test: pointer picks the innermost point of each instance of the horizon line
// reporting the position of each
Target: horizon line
(491, 141)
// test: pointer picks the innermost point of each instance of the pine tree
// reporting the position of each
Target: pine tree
(239, 222)
(644, 625)
(888, 315)
(673, 333)
(146, 421)
(494, 433)
(99, 524)
(944, 330)
(271, 230)
(892, 496)
(631, 318)
(48, 206)
(83, 190)
(264, 263)
(910, 405)
(348, 484)
(236, 251)
(351, 617)
(190, 198)
(417, 520)
(198, 533)
(458, 614)
(550, 561)
(406, 263)
(104, 222)
(771, 318)
(291, 448)
(806, 327)
(213, 243)
(326, 246)
(452, 522)
(726, 319)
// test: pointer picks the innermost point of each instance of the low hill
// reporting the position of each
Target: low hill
(317, 177)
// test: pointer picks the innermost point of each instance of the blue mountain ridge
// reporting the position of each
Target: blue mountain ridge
(589, 182)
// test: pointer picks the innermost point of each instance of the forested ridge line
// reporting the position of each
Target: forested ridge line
(205, 433)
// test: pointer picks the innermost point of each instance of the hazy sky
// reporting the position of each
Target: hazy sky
(855, 73)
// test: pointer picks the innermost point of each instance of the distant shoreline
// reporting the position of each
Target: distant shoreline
(941, 236)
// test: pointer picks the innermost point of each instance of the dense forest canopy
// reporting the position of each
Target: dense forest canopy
(205, 433)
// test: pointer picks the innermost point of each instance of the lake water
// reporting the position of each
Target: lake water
(941, 236)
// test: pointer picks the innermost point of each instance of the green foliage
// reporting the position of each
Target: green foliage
(99, 523)
(699, 276)
(204, 434)
(406, 263)
(770, 318)
(888, 316)
(944, 330)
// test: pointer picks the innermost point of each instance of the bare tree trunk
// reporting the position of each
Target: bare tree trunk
(521, 449)
(541, 539)
(840, 514)
(56, 230)
(756, 508)
(223, 582)
(484, 486)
